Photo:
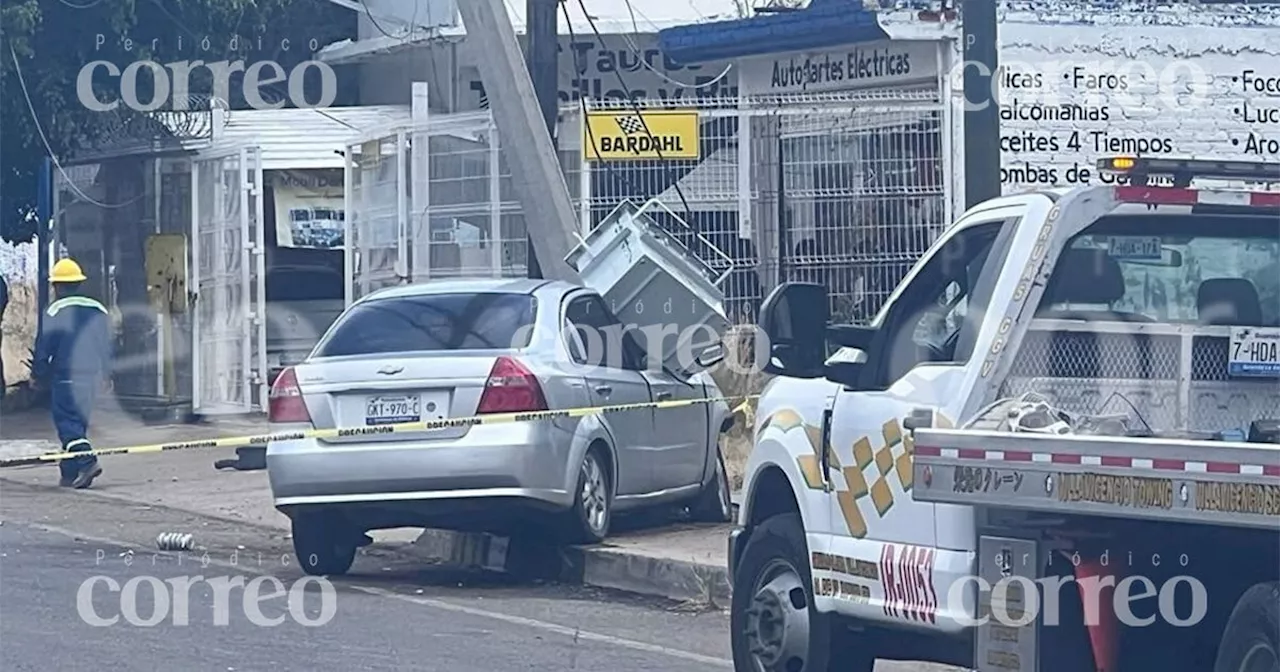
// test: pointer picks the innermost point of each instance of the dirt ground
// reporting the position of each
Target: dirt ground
(739, 375)
(19, 327)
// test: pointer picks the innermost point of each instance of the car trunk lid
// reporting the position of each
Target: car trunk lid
(375, 391)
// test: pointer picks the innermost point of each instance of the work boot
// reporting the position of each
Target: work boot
(65, 481)
(85, 478)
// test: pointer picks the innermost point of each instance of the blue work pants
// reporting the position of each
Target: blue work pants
(71, 402)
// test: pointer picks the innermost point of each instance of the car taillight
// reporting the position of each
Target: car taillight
(511, 388)
(285, 402)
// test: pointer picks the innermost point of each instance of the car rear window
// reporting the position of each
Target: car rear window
(432, 323)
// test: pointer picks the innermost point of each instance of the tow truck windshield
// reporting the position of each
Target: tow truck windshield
(1192, 269)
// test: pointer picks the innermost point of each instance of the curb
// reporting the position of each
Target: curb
(646, 575)
(598, 566)
(603, 566)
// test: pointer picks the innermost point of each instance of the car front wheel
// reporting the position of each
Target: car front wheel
(775, 626)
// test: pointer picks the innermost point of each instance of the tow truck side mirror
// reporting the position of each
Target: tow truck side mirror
(794, 319)
(709, 357)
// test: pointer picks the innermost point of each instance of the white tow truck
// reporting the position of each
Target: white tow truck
(1054, 449)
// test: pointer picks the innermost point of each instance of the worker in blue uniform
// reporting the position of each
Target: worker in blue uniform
(72, 360)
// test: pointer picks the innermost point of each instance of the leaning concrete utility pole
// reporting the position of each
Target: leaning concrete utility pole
(535, 169)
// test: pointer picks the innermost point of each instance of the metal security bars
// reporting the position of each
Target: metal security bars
(843, 189)
(846, 190)
(1171, 378)
(376, 205)
(433, 199)
(227, 251)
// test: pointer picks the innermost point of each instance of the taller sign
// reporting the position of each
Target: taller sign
(608, 68)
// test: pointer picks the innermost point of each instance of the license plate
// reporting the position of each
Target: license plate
(1147, 248)
(390, 410)
(1254, 352)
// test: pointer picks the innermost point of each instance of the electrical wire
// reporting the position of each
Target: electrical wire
(1121, 397)
(635, 49)
(982, 412)
(240, 19)
(404, 39)
(44, 139)
(586, 114)
(634, 105)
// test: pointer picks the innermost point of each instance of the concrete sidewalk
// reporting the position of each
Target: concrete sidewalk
(654, 557)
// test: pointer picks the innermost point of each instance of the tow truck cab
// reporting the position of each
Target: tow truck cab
(1150, 298)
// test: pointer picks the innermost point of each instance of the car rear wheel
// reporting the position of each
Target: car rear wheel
(593, 501)
(324, 546)
(714, 503)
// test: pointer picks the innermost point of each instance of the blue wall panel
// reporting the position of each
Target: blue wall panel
(825, 23)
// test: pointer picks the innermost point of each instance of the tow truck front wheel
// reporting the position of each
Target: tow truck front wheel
(1251, 642)
(775, 626)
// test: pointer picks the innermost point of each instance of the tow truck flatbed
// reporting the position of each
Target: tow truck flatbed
(1209, 482)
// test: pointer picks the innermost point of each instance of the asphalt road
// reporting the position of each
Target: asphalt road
(392, 614)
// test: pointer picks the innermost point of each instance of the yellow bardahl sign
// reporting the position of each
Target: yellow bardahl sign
(646, 135)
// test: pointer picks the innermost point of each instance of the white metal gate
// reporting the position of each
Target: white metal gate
(229, 329)
(431, 199)
(377, 207)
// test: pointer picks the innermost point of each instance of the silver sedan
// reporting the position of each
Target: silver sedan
(464, 348)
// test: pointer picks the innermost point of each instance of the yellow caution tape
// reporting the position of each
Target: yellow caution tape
(375, 430)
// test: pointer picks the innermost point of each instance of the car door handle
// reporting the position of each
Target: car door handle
(663, 396)
(604, 389)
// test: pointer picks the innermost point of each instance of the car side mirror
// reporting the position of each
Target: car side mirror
(794, 319)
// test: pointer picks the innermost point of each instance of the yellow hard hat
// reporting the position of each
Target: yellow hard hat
(66, 270)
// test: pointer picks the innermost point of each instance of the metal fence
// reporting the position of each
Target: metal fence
(846, 190)
(463, 219)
